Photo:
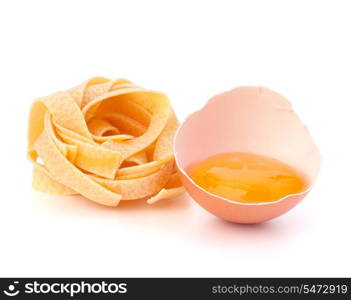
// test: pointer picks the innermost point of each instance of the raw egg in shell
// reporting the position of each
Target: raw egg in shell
(246, 157)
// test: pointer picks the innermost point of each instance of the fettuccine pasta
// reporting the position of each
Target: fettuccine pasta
(107, 140)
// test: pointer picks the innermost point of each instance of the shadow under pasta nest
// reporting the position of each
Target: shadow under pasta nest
(79, 203)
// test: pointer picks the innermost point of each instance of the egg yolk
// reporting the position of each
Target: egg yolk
(247, 177)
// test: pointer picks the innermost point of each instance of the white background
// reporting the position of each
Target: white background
(190, 50)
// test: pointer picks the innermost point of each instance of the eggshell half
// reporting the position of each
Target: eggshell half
(246, 119)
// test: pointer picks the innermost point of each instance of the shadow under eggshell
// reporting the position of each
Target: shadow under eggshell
(246, 119)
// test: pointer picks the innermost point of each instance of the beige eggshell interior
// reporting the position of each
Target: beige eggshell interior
(248, 119)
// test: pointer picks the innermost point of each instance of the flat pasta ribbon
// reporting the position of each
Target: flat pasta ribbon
(107, 140)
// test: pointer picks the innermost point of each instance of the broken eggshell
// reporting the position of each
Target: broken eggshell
(246, 119)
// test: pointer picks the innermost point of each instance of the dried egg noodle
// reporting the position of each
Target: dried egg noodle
(108, 140)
